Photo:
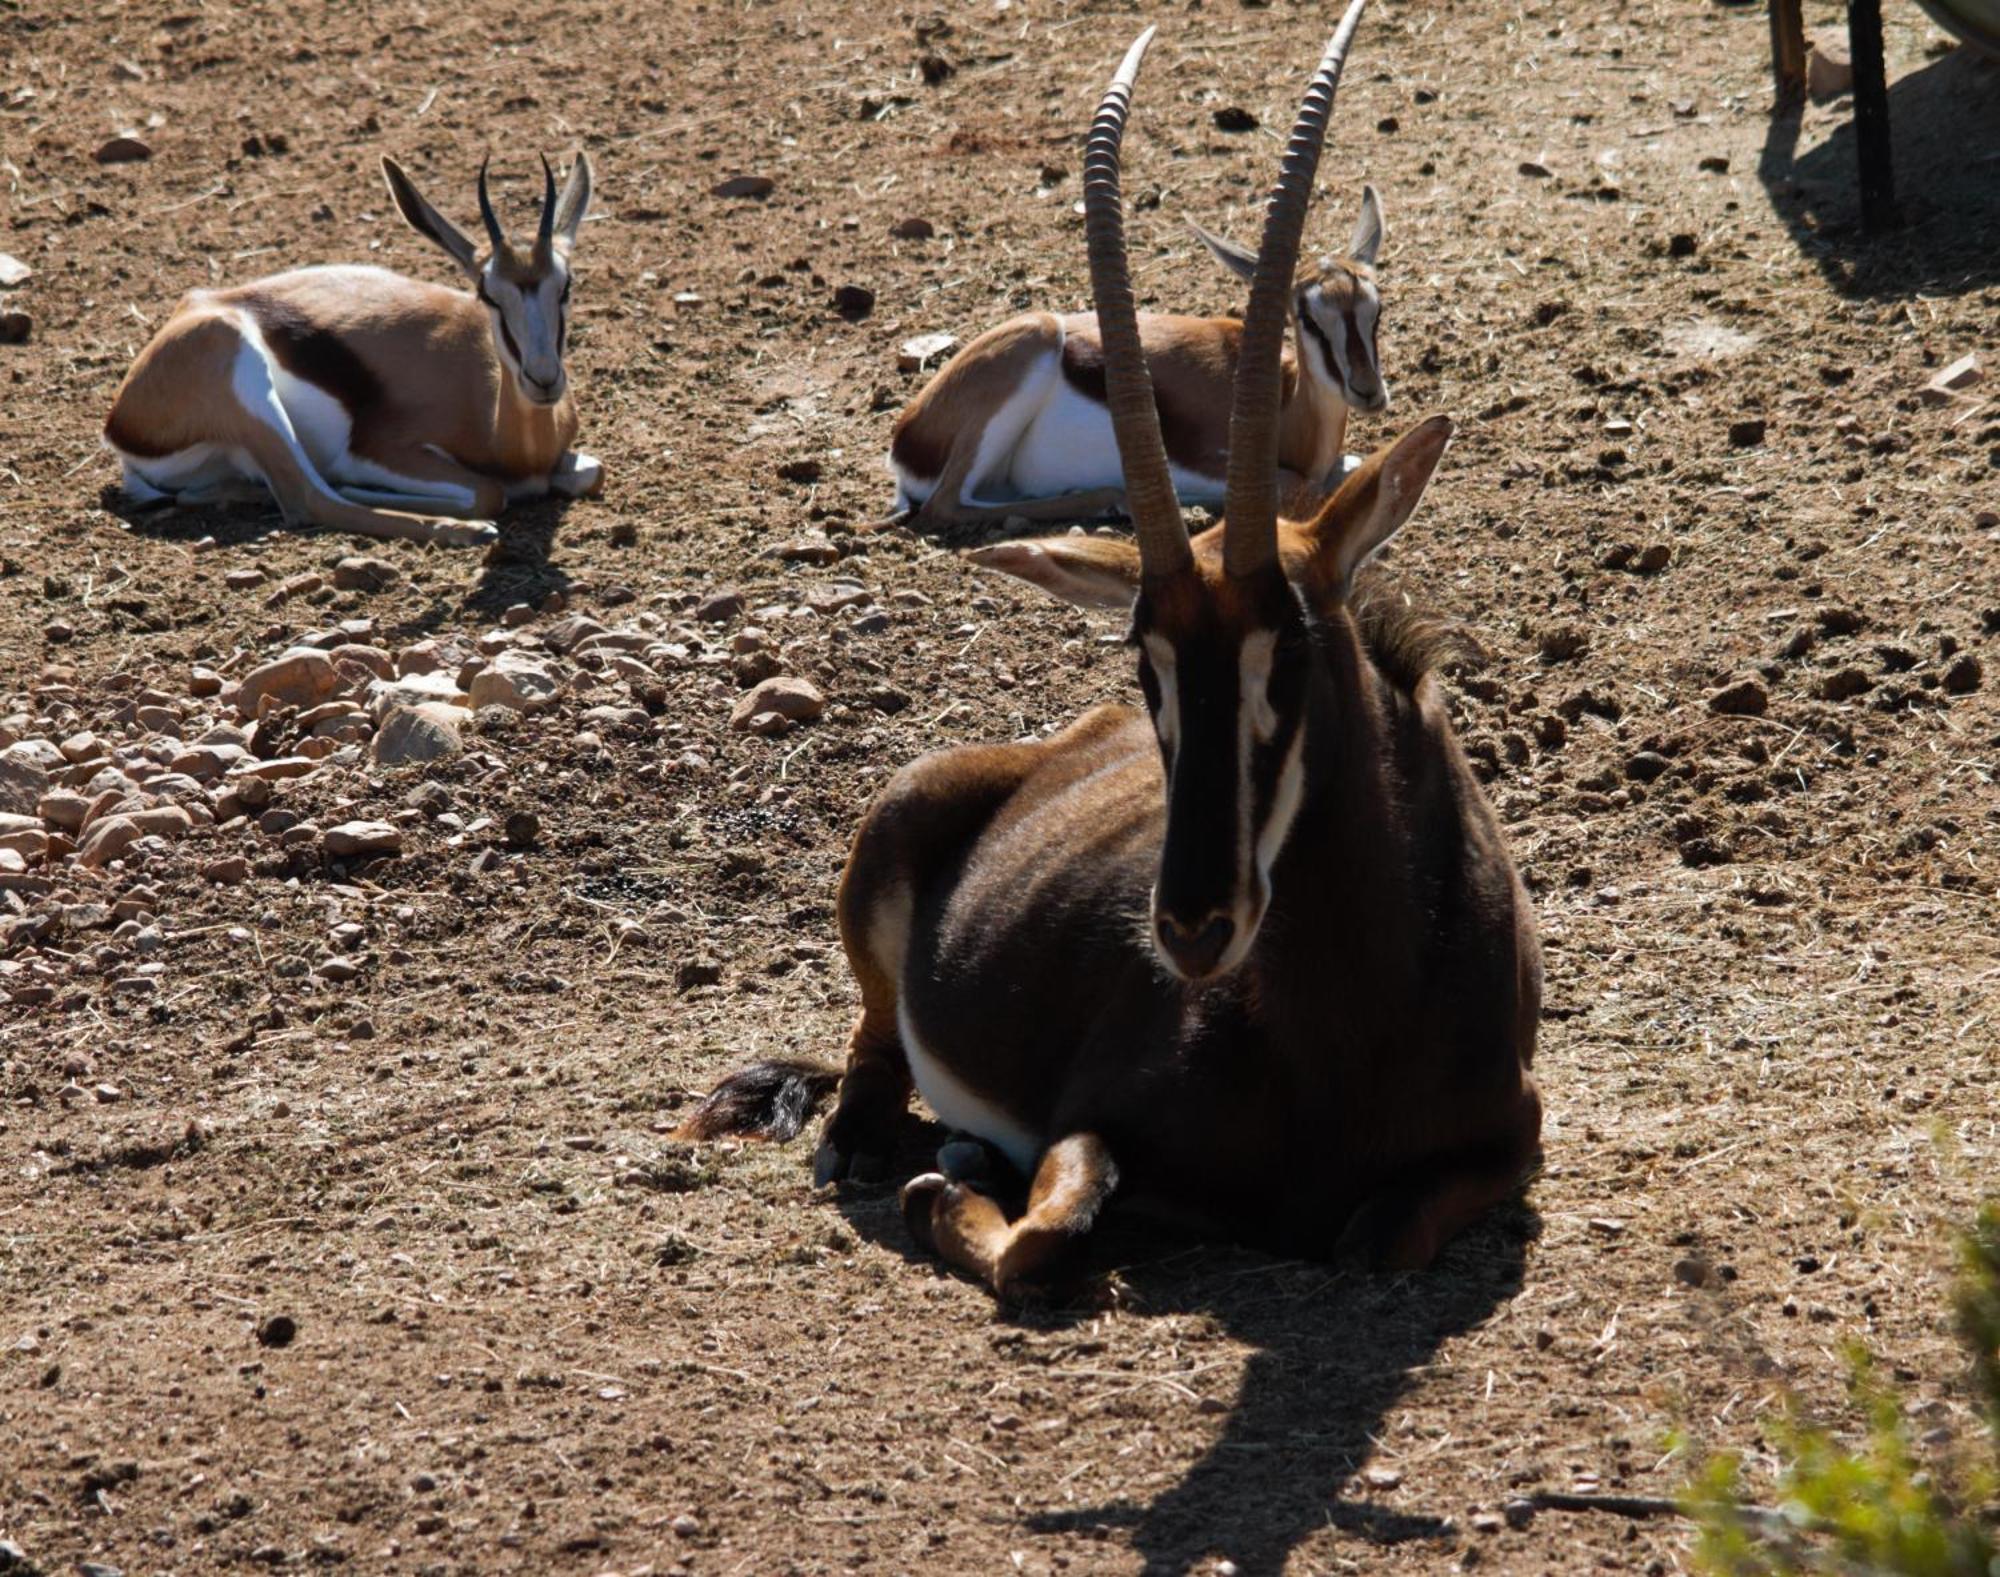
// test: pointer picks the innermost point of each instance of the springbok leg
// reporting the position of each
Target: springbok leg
(967, 1229)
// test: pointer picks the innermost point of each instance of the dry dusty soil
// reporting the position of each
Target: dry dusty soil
(340, 1217)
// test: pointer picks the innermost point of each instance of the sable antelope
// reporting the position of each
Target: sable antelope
(1256, 952)
(1017, 423)
(366, 401)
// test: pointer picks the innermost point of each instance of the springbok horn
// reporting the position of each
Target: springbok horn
(1250, 538)
(493, 231)
(546, 235)
(1128, 386)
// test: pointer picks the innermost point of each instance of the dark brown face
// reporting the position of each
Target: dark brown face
(1224, 666)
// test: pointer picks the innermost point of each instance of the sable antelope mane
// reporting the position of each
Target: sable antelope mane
(363, 400)
(1255, 951)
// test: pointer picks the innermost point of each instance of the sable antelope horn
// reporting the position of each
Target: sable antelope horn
(545, 235)
(1128, 385)
(492, 220)
(1250, 537)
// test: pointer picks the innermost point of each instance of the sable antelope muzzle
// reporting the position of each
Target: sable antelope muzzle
(1017, 424)
(366, 401)
(1255, 952)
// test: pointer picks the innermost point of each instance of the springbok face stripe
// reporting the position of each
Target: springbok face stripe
(531, 327)
(1338, 335)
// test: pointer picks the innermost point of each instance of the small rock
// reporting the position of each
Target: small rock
(1745, 698)
(364, 574)
(1535, 170)
(226, 872)
(1519, 1513)
(428, 731)
(413, 689)
(743, 186)
(521, 829)
(914, 228)
(1653, 559)
(685, 1527)
(1716, 164)
(1694, 1271)
(795, 700)
(13, 272)
(16, 328)
(720, 607)
(204, 682)
(854, 302)
(1964, 676)
(805, 550)
(24, 783)
(1952, 381)
(1747, 433)
(277, 1330)
(302, 677)
(698, 972)
(1843, 684)
(917, 354)
(122, 149)
(515, 680)
(1645, 766)
(113, 835)
(243, 579)
(362, 840)
(1381, 1477)
(58, 632)
(1234, 118)
(1487, 1522)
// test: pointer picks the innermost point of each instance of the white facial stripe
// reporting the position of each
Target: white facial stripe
(1168, 721)
(1284, 807)
(1253, 670)
(1257, 723)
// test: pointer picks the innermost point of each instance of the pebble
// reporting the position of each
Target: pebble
(359, 573)
(413, 689)
(337, 968)
(113, 835)
(917, 354)
(720, 607)
(362, 840)
(521, 829)
(1744, 698)
(226, 872)
(1747, 433)
(794, 700)
(685, 1526)
(304, 676)
(124, 148)
(277, 1330)
(428, 731)
(1844, 684)
(515, 680)
(23, 782)
(277, 770)
(1964, 676)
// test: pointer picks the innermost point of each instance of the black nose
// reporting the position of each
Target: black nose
(1197, 949)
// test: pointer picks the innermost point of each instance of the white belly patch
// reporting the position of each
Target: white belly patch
(962, 1108)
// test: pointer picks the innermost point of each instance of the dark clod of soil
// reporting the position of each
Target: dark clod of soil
(276, 1330)
(1745, 698)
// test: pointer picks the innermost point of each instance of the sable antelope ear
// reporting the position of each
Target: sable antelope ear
(1092, 572)
(426, 220)
(575, 199)
(1239, 260)
(1372, 504)
(1367, 228)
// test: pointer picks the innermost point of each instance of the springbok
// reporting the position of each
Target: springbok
(1017, 423)
(1256, 953)
(366, 401)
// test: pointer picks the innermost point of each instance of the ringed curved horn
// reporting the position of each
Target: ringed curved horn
(492, 220)
(1128, 385)
(1250, 537)
(545, 234)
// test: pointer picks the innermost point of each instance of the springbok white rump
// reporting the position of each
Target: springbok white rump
(1016, 423)
(1254, 951)
(365, 401)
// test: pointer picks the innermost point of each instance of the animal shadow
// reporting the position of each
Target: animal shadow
(1333, 1352)
(1944, 123)
(515, 569)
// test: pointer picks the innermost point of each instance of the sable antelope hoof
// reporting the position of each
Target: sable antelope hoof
(1381, 1237)
(965, 1159)
(923, 1196)
(464, 533)
(832, 1164)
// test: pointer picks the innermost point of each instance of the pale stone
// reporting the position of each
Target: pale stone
(517, 680)
(303, 676)
(795, 700)
(428, 731)
(362, 840)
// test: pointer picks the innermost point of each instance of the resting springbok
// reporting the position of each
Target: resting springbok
(1256, 953)
(1017, 424)
(366, 401)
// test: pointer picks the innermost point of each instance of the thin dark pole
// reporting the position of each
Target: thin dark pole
(1788, 52)
(1871, 116)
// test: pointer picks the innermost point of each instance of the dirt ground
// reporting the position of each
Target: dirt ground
(420, 1107)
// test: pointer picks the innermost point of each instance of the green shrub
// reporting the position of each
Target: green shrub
(1879, 1508)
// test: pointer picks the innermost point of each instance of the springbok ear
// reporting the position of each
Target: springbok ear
(1372, 504)
(426, 220)
(1239, 260)
(1367, 228)
(575, 199)
(1092, 572)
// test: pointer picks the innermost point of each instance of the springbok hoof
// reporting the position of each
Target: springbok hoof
(581, 476)
(964, 1159)
(464, 533)
(922, 1195)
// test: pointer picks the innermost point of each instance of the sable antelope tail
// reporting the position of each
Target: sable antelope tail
(767, 1100)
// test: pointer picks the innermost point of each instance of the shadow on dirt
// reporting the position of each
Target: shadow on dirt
(1945, 125)
(1334, 1351)
(515, 569)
